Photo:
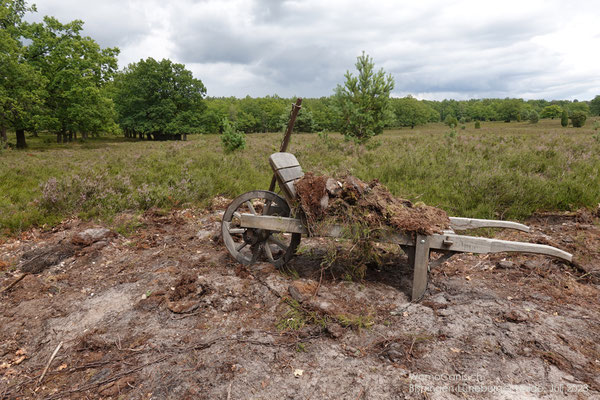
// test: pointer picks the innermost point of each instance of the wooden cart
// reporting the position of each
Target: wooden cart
(258, 224)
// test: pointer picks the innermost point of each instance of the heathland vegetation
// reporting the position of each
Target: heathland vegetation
(63, 97)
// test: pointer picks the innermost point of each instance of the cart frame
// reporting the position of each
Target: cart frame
(257, 230)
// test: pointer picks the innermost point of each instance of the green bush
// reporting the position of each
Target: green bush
(231, 138)
(477, 125)
(451, 121)
(534, 117)
(578, 119)
(564, 119)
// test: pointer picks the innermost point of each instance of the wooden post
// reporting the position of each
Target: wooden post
(420, 267)
(288, 134)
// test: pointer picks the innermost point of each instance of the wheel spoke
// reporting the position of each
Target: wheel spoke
(256, 250)
(241, 246)
(267, 207)
(237, 230)
(251, 207)
(268, 252)
(278, 243)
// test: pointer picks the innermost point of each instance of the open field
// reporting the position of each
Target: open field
(148, 303)
(502, 170)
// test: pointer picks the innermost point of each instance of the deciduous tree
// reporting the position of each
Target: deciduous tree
(595, 105)
(21, 86)
(159, 99)
(76, 69)
(410, 112)
(552, 111)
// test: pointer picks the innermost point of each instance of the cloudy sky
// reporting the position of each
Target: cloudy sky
(435, 49)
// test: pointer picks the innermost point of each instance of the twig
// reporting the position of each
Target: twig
(108, 380)
(360, 394)
(14, 282)
(319, 285)
(50, 362)
(587, 274)
(186, 315)
(229, 391)
(411, 346)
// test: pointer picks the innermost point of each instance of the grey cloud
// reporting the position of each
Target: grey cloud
(304, 47)
(111, 23)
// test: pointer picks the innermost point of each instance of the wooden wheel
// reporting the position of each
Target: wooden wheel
(248, 245)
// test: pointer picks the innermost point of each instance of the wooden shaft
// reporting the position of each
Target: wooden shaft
(288, 134)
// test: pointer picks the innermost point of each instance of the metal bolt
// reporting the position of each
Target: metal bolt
(422, 241)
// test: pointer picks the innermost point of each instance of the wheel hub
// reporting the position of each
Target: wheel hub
(254, 236)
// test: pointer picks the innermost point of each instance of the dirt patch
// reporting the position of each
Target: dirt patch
(518, 326)
(184, 296)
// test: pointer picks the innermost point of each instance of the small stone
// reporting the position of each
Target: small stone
(515, 316)
(395, 352)
(324, 202)
(335, 330)
(296, 295)
(324, 307)
(302, 289)
(89, 236)
(202, 234)
(359, 185)
(505, 264)
(333, 187)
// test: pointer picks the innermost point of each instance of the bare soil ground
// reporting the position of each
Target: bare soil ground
(166, 313)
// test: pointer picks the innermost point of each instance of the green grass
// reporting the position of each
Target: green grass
(502, 170)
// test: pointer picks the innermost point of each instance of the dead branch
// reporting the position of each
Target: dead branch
(50, 362)
(19, 279)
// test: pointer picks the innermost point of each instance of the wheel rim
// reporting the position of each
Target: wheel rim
(249, 245)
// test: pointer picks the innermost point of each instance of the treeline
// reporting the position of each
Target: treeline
(57, 80)
(268, 114)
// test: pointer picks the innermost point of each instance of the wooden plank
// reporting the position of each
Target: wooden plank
(289, 174)
(272, 223)
(420, 267)
(461, 224)
(400, 238)
(289, 191)
(283, 160)
(471, 244)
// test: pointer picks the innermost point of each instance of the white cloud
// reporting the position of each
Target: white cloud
(433, 48)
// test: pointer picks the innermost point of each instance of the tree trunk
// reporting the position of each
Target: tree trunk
(3, 134)
(185, 136)
(59, 137)
(141, 135)
(75, 135)
(21, 144)
(70, 136)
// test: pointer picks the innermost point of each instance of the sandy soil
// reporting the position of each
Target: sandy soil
(166, 313)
